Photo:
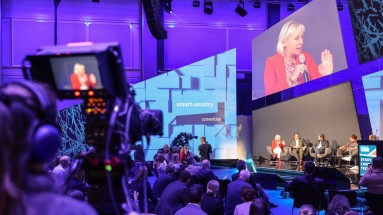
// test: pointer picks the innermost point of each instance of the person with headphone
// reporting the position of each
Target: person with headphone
(29, 139)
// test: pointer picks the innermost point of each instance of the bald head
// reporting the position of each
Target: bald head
(244, 174)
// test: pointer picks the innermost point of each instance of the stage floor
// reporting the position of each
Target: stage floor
(288, 171)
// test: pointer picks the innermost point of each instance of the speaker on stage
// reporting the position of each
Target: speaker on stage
(154, 17)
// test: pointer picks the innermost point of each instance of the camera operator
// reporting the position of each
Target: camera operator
(29, 140)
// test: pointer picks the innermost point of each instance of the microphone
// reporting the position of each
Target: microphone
(305, 73)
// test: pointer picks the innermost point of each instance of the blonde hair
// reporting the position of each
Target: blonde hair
(276, 137)
(286, 31)
(77, 67)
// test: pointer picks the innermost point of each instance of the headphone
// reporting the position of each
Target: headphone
(45, 140)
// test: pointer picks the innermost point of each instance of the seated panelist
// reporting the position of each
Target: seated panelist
(298, 146)
(277, 147)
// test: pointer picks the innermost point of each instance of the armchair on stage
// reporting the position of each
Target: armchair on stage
(272, 156)
(323, 158)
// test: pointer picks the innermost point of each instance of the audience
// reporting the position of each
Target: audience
(25, 185)
(175, 196)
(307, 210)
(192, 168)
(234, 188)
(205, 171)
(248, 194)
(61, 171)
(163, 180)
(311, 187)
(184, 154)
(260, 193)
(159, 164)
(259, 207)
(338, 205)
(373, 178)
(212, 204)
(138, 185)
(176, 161)
(195, 197)
(139, 155)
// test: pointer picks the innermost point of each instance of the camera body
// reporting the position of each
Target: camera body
(114, 121)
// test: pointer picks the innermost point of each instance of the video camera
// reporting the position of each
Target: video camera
(114, 121)
(182, 139)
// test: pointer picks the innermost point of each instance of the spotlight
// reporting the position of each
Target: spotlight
(339, 5)
(208, 7)
(196, 3)
(168, 6)
(257, 4)
(290, 7)
(241, 9)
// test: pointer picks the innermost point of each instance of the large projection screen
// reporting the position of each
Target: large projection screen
(322, 32)
(329, 111)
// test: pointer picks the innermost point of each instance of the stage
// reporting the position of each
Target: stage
(274, 175)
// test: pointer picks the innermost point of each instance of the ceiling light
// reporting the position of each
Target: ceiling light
(240, 9)
(196, 3)
(257, 4)
(168, 6)
(208, 7)
(290, 7)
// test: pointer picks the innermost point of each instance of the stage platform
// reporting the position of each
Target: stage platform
(335, 178)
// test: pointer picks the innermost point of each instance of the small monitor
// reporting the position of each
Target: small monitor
(76, 73)
(82, 71)
(366, 153)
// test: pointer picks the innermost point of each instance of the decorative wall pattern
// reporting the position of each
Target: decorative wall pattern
(367, 21)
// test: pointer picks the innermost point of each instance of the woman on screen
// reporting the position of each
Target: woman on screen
(80, 79)
(292, 66)
(277, 147)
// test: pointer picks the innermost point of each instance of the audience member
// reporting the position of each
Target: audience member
(195, 197)
(139, 155)
(205, 171)
(167, 157)
(212, 204)
(373, 178)
(260, 193)
(248, 194)
(241, 165)
(61, 171)
(338, 205)
(176, 161)
(184, 154)
(234, 188)
(78, 182)
(25, 185)
(314, 187)
(307, 210)
(163, 180)
(259, 207)
(138, 185)
(76, 194)
(159, 164)
(192, 168)
(175, 196)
